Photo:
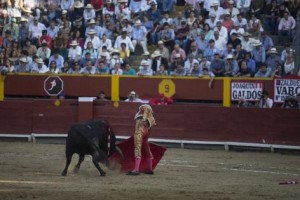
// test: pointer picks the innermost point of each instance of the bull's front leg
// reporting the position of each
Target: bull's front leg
(96, 163)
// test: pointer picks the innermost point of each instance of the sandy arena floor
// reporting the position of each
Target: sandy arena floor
(32, 171)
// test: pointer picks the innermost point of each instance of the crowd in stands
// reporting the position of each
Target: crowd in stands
(207, 38)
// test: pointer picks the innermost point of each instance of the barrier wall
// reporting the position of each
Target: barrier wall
(187, 88)
(180, 122)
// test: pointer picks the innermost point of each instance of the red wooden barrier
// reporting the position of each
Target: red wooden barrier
(181, 122)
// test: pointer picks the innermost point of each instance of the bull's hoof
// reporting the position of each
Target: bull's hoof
(103, 174)
(64, 173)
(133, 173)
(150, 172)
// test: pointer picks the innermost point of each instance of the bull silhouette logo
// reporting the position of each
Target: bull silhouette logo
(53, 85)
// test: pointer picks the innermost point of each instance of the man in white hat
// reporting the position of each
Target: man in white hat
(93, 38)
(74, 52)
(212, 20)
(39, 67)
(139, 35)
(123, 38)
(217, 10)
(231, 66)
(165, 53)
(133, 97)
(89, 13)
(232, 10)
(258, 53)
(92, 25)
(247, 42)
(273, 59)
(146, 57)
(145, 69)
(23, 66)
(122, 10)
(23, 31)
(44, 52)
(158, 60)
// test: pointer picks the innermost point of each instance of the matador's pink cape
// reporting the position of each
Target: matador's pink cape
(127, 162)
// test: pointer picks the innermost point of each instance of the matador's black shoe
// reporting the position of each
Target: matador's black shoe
(133, 173)
(149, 172)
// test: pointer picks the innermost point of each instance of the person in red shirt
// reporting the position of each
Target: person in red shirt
(47, 38)
(161, 100)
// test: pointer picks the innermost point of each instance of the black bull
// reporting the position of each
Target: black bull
(90, 138)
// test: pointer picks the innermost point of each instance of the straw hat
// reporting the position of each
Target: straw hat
(229, 56)
(24, 60)
(74, 43)
(144, 63)
(257, 43)
(39, 61)
(215, 3)
(92, 31)
(138, 22)
(89, 6)
(64, 12)
(78, 4)
(272, 51)
(23, 19)
(146, 53)
(156, 54)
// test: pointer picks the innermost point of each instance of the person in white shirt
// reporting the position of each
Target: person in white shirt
(35, 29)
(122, 11)
(212, 20)
(117, 69)
(247, 42)
(67, 5)
(105, 42)
(88, 69)
(123, 38)
(217, 10)
(39, 67)
(223, 32)
(139, 34)
(243, 5)
(265, 101)
(232, 11)
(74, 52)
(189, 63)
(286, 27)
(89, 13)
(220, 42)
(93, 38)
(238, 30)
(133, 97)
(145, 70)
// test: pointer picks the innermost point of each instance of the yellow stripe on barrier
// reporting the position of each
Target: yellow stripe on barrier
(226, 92)
(1, 88)
(115, 88)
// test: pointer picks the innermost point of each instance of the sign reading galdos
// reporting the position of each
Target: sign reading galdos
(285, 87)
(250, 91)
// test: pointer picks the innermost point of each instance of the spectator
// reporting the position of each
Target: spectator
(177, 50)
(161, 100)
(243, 6)
(152, 12)
(263, 71)
(123, 38)
(53, 69)
(278, 72)
(101, 96)
(44, 52)
(195, 70)
(239, 53)
(162, 71)
(265, 101)
(234, 40)
(35, 30)
(244, 71)
(74, 52)
(267, 41)
(117, 69)
(231, 10)
(211, 50)
(179, 70)
(290, 102)
(66, 69)
(273, 59)
(89, 13)
(250, 63)
(133, 97)
(243, 103)
(258, 53)
(285, 52)
(271, 17)
(128, 70)
(158, 60)
(189, 63)
(231, 66)
(88, 68)
(23, 67)
(39, 67)
(217, 65)
(102, 68)
(145, 69)
(286, 27)
(167, 35)
(289, 64)
(93, 38)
